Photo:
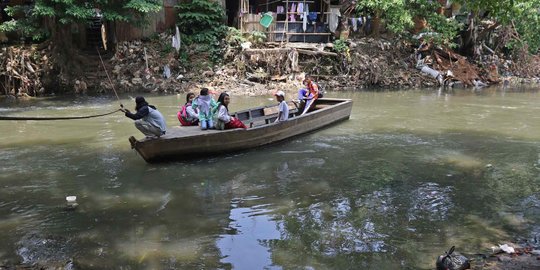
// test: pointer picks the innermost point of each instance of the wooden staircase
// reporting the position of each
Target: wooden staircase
(93, 69)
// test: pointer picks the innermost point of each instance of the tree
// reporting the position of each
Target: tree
(444, 30)
(395, 13)
(53, 19)
(203, 23)
(521, 16)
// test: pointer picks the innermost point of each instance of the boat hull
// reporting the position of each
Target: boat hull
(216, 142)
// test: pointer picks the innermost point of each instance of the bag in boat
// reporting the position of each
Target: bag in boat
(182, 116)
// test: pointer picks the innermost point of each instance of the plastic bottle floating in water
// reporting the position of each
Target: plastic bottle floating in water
(71, 202)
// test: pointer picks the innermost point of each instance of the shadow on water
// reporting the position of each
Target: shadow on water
(355, 196)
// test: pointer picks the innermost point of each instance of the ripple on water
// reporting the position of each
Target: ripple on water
(380, 202)
(297, 152)
(531, 207)
(430, 201)
(333, 231)
(387, 139)
(34, 248)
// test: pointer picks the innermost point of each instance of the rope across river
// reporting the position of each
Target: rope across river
(22, 118)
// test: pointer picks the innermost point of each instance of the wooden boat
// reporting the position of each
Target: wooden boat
(189, 142)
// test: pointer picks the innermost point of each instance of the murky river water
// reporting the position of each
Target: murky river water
(409, 175)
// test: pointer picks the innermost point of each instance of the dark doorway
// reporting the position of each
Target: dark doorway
(232, 8)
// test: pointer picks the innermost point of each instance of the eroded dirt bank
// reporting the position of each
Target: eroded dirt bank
(153, 66)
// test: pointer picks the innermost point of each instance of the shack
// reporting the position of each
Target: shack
(287, 20)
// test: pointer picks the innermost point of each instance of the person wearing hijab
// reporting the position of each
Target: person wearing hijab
(206, 105)
(147, 119)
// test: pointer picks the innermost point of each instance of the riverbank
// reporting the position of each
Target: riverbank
(260, 69)
(525, 257)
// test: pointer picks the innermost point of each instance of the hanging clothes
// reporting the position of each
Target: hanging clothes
(293, 9)
(300, 10)
(304, 21)
(313, 16)
(176, 42)
(305, 18)
(280, 10)
(333, 20)
(354, 22)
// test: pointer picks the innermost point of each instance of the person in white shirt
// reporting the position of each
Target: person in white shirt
(283, 113)
(223, 119)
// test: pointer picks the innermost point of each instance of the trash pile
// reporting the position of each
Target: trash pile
(451, 69)
(367, 62)
(505, 256)
(377, 62)
(22, 70)
(157, 65)
(154, 66)
(146, 66)
(509, 257)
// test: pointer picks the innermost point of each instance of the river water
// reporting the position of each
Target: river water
(409, 175)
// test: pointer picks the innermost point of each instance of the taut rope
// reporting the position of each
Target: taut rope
(106, 72)
(22, 118)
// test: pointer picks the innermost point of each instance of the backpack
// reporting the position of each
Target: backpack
(182, 116)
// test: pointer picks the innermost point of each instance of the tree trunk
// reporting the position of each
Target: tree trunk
(376, 25)
(68, 64)
(420, 24)
(469, 37)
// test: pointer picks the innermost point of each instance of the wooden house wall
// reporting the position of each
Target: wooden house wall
(158, 22)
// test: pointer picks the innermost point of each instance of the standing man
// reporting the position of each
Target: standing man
(147, 119)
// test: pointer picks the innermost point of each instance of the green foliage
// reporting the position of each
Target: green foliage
(234, 37)
(340, 46)
(202, 23)
(29, 18)
(26, 25)
(522, 15)
(398, 16)
(198, 16)
(143, 6)
(394, 12)
(446, 29)
(257, 37)
(527, 24)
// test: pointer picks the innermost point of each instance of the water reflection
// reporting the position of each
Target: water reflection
(243, 247)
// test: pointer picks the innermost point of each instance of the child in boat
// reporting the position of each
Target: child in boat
(205, 105)
(310, 94)
(283, 113)
(223, 119)
(147, 119)
(187, 115)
